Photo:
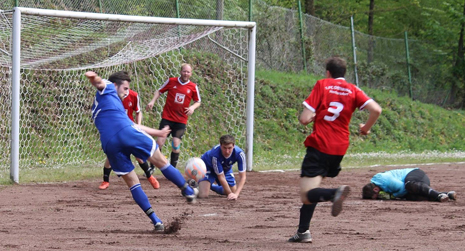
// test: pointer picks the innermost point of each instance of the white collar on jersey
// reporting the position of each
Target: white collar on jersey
(179, 80)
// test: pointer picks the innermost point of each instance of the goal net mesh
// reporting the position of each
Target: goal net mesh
(55, 99)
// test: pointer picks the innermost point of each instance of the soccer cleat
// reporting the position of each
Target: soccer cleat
(154, 182)
(104, 185)
(192, 183)
(442, 197)
(301, 237)
(341, 194)
(193, 197)
(452, 195)
(159, 227)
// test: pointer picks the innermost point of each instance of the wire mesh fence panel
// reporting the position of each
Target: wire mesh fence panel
(56, 129)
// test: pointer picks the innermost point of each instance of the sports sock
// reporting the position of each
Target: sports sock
(217, 189)
(145, 167)
(141, 199)
(175, 176)
(306, 214)
(106, 174)
(320, 194)
(174, 158)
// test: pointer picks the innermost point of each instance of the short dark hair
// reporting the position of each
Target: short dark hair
(336, 66)
(117, 78)
(227, 139)
(367, 191)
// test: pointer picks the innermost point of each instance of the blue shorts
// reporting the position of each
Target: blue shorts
(212, 177)
(130, 140)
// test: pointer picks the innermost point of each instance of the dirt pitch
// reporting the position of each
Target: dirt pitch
(78, 216)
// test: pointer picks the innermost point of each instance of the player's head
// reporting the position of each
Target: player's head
(370, 191)
(336, 66)
(227, 143)
(121, 80)
(186, 72)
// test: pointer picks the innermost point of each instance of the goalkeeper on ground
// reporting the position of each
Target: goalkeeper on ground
(409, 183)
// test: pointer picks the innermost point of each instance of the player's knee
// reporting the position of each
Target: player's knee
(174, 147)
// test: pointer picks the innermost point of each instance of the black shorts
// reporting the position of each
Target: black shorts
(177, 129)
(317, 163)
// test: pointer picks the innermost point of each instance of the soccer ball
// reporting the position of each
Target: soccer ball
(195, 169)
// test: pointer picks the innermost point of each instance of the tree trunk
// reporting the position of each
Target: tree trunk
(310, 7)
(460, 62)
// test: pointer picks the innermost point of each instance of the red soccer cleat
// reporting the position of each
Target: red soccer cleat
(154, 182)
(104, 185)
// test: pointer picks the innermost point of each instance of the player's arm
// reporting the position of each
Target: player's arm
(95, 80)
(307, 116)
(224, 184)
(139, 117)
(154, 132)
(240, 185)
(375, 111)
(190, 110)
(150, 105)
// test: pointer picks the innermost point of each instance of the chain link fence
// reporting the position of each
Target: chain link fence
(381, 62)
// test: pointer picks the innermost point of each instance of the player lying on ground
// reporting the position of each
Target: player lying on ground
(219, 161)
(120, 138)
(330, 106)
(132, 105)
(409, 183)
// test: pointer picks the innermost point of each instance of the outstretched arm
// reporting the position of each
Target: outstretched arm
(243, 177)
(95, 80)
(152, 102)
(375, 111)
(154, 132)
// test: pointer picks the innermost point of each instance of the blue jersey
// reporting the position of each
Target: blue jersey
(216, 162)
(108, 113)
(393, 181)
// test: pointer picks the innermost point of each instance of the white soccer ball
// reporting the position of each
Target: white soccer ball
(195, 169)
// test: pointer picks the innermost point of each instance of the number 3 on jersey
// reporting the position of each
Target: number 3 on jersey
(335, 111)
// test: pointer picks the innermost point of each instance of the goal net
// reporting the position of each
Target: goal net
(46, 110)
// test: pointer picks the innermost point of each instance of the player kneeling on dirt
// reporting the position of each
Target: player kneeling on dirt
(219, 161)
(409, 183)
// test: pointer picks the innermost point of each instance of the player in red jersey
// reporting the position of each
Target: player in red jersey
(177, 109)
(131, 104)
(330, 106)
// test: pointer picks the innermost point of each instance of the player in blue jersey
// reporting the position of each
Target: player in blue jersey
(120, 138)
(219, 161)
(408, 183)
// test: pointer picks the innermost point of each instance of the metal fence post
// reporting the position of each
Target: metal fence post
(304, 58)
(354, 48)
(408, 66)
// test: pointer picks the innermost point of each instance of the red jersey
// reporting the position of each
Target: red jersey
(179, 97)
(131, 104)
(333, 101)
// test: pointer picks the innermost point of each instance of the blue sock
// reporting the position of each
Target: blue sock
(218, 189)
(141, 199)
(175, 176)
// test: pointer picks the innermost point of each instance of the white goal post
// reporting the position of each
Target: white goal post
(143, 40)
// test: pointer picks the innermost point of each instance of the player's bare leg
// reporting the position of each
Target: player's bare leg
(139, 196)
(204, 189)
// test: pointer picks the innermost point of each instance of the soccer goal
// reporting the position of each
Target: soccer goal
(45, 100)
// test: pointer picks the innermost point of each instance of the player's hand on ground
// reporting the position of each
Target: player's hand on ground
(363, 131)
(149, 106)
(188, 111)
(232, 196)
